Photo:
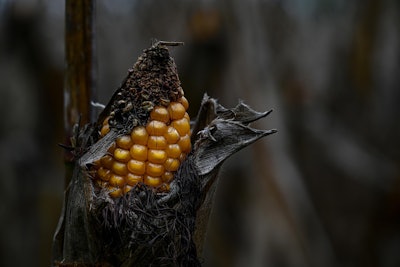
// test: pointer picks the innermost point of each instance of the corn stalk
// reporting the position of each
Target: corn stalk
(80, 71)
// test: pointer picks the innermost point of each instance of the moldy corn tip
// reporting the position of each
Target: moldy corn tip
(150, 112)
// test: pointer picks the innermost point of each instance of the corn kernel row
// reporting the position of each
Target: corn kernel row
(150, 154)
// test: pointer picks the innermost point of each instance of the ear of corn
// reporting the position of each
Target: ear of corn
(150, 154)
(149, 110)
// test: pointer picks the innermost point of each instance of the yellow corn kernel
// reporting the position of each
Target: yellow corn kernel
(152, 181)
(119, 168)
(160, 113)
(154, 169)
(182, 126)
(116, 180)
(176, 110)
(139, 152)
(133, 179)
(127, 188)
(157, 142)
(96, 164)
(157, 128)
(173, 151)
(114, 191)
(136, 167)
(171, 164)
(107, 161)
(105, 122)
(122, 155)
(164, 187)
(184, 143)
(139, 135)
(156, 156)
(187, 117)
(124, 141)
(104, 130)
(172, 136)
(167, 177)
(184, 102)
(112, 148)
(104, 174)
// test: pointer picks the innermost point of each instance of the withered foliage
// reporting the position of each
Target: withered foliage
(146, 227)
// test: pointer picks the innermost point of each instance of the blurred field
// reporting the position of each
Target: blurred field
(324, 191)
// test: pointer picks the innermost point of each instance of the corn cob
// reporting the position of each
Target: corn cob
(150, 154)
(152, 151)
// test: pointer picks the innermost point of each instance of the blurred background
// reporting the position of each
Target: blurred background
(324, 191)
